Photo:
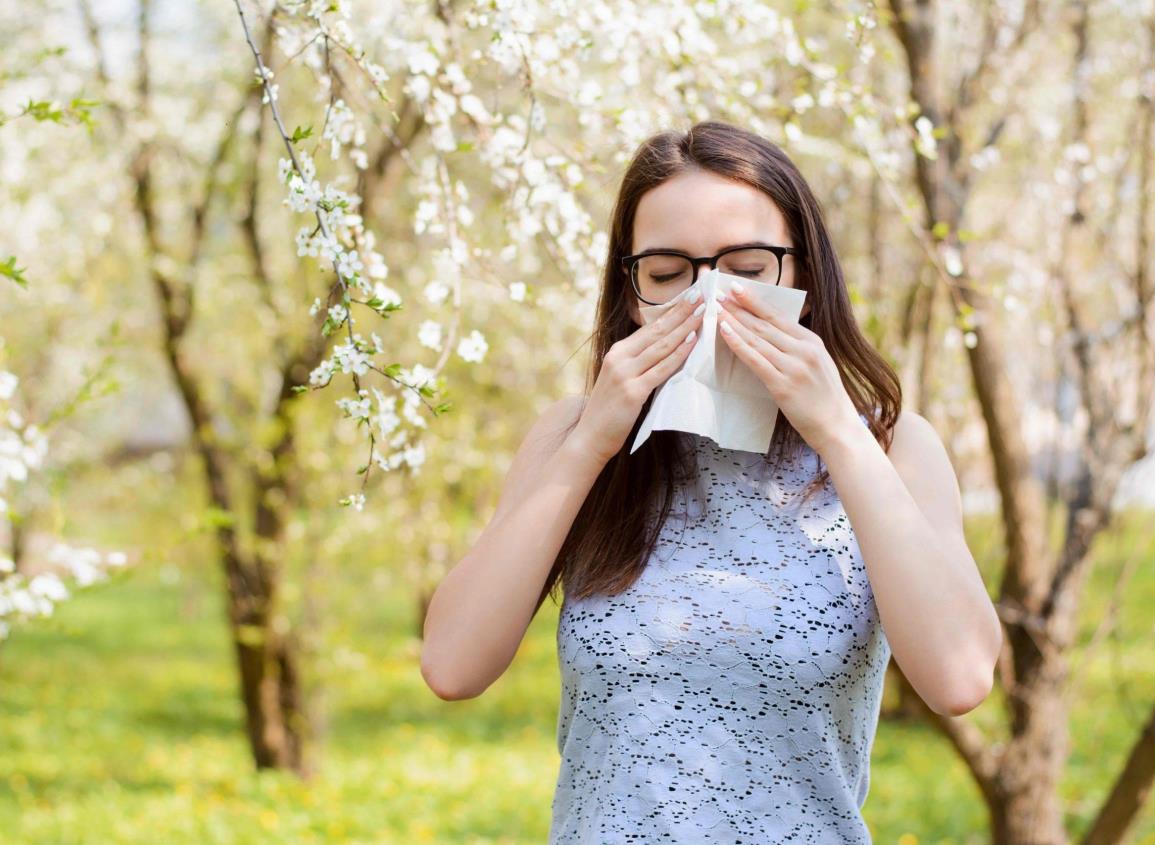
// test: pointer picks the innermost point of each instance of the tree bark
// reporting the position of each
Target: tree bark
(1039, 593)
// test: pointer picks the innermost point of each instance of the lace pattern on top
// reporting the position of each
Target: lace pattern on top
(731, 695)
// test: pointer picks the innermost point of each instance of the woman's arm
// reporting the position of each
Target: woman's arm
(906, 511)
(481, 610)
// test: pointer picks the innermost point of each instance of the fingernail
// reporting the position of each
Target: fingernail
(726, 328)
(699, 309)
(736, 287)
(721, 297)
(690, 337)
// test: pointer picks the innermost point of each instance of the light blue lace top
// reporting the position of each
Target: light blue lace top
(731, 695)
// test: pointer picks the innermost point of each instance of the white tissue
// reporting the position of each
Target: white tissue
(714, 393)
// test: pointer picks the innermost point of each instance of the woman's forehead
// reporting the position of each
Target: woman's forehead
(702, 213)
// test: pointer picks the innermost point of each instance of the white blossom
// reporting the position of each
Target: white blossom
(429, 334)
(349, 263)
(926, 143)
(23, 447)
(436, 292)
(952, 259)
(358, 409)
(473, 347)
(322, 373)
(386, 294)
(350, 359)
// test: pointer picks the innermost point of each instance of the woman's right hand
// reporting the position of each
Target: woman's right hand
(631, 370)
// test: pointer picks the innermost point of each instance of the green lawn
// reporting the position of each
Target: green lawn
(120, 723)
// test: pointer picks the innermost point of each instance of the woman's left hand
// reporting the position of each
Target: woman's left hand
(795, 366)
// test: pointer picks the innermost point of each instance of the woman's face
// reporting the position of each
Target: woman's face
(702, 213)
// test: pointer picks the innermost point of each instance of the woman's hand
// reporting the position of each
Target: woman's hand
(631, 370)
(793, 363)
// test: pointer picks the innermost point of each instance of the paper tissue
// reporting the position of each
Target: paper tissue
(714, 393)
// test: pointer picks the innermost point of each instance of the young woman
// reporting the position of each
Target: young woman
(721, 637)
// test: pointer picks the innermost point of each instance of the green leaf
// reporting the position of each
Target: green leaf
(8, 268)
(301, 133)
(81, 110)
(43, 110)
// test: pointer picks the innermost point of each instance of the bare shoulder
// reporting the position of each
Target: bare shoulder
(914, 441)
(556, 420)
(544, 437)
(914, 436)
(922, 461)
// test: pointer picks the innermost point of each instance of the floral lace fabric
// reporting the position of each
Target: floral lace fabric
(732, 694)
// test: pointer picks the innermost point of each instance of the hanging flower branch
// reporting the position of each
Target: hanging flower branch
(564, 82)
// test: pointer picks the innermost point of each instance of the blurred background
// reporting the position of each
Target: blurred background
(282, 287)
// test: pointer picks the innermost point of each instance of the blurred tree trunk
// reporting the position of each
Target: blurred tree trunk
(253, 488)
(265, 647)
(1039, 594)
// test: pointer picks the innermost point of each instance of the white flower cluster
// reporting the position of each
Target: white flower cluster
(576, 74)
(343, 129)
(926, 143)
(22, 448)
(23, 598)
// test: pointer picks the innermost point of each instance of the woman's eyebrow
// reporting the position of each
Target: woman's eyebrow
(723, 249)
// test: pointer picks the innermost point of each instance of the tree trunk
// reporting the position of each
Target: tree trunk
(275, 719)
(1028, 810)
(1040, 590)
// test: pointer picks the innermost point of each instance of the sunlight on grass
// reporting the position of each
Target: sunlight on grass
(121, 723)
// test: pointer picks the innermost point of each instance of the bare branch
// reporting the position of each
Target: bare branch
(1129, 792)
(982, 759)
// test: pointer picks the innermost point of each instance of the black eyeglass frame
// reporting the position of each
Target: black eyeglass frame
(630, 262)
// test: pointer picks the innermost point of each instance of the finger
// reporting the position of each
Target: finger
(771, 314)
(669, 365)
(782, 360)
(667, 342)
(644, 336)
(766, 329)
(742, 342)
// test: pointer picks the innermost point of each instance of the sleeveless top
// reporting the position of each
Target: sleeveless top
(731, 695)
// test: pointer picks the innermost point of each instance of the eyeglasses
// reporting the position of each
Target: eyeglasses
(659, 276)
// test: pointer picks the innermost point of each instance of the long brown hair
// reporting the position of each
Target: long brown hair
(613, 535)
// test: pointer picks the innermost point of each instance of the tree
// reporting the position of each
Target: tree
(24, 444)
(1109, 358)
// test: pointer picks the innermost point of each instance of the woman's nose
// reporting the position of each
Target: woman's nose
(698, 264)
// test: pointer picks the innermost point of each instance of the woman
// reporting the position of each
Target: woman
(721, 637)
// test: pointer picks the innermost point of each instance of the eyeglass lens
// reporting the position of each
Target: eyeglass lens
(661, 277)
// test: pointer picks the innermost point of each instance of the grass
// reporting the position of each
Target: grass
(120, 723)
